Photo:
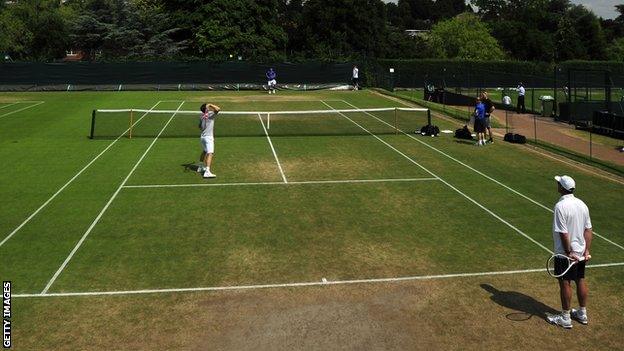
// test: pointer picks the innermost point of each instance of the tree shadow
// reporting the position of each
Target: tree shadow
(526, 306)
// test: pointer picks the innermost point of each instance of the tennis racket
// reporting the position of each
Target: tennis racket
(550, 264)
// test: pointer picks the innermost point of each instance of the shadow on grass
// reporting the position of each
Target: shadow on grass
(190, 167)
(464, 141)
(526, 306)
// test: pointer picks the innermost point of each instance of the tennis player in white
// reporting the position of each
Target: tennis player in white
(572, 235)
(355, 78)
(206, 125)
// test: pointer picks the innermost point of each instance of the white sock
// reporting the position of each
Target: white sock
(583, 310)
(566, 313)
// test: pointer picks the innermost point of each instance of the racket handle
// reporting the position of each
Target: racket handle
(582, 258)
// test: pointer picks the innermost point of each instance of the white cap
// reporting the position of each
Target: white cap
(566, 182)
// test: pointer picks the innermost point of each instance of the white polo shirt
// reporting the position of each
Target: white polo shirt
(356, 73)
(521, 91)
(206, 124)
(572, 217)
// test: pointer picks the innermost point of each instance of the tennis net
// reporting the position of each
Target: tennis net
(133, 123)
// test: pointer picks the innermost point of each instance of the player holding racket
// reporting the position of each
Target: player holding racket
(572, 235)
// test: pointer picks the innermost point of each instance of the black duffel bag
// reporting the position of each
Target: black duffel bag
(463, 133)
(515, 138)
(429, 130)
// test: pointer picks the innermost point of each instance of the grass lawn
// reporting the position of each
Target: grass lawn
(320, 197)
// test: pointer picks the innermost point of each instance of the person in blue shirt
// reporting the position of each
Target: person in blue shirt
(479, 122)
(272, 83)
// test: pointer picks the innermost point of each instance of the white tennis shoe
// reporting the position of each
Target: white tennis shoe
(560, 320)
(208, 174)
(578, 316)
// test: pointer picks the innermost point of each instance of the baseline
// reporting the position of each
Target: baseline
(322, 282)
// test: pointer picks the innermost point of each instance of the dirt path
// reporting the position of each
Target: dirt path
(560, 134)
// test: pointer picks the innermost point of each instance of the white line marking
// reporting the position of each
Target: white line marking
(110, 201)
(448, 184)
(303, 284)
(343, 181)
(481, 173)
(22, 109)
(273, 149)
(5, 106)
(71, 180)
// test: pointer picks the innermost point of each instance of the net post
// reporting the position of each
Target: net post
(268, 121)
(92, 124)
(130, 128)
(429, 116)
(396, 122)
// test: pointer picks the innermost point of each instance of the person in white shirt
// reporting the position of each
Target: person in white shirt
(521, 93)
(355, 78)
(206, 125)
(572, 236)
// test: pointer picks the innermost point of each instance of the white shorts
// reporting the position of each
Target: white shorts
(207, 144)
(272, 82)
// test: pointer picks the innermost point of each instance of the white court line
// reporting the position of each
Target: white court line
(22, 109)
(11, 104)
(110, 201)
(481, 173)
(279, 165)
(302, 284)
(448, 184)
(71, 180)
(342, 181)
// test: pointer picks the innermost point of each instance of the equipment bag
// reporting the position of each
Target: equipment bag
(429, 130)
(463, 133)
(515, 138)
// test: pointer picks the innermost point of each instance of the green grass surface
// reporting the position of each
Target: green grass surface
(180, 237)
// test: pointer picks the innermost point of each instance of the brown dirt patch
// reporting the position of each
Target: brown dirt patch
(11, 99)
(561, 134)
(455, 314)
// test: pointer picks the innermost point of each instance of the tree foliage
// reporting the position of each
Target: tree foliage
(466, 37)
(266, 30)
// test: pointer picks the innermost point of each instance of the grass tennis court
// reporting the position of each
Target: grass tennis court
(100, 234)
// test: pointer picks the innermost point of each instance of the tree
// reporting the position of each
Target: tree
(444, 9)
(615, 51)
(241, 27)
(466, 37)
(15, 38)
(587, 25)
(44, 28)
(569, 43)
(344, 29)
